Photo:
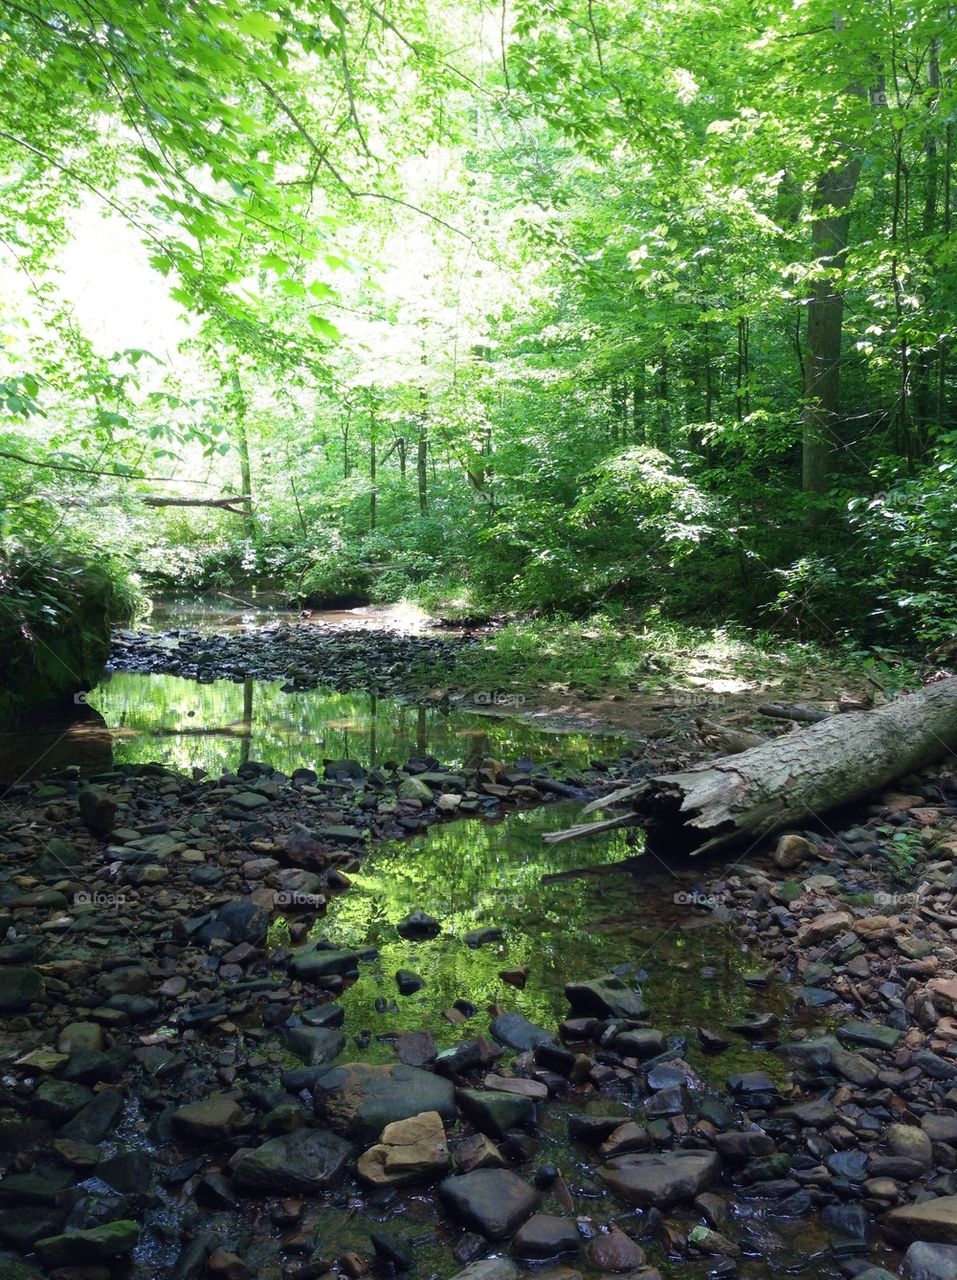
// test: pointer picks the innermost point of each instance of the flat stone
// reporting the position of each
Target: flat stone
(489, 1269)
(934, 1221)
(494, 1111)
(823, 927)
(493, 1201)
(940, 1128)
(314, 1045)
(871, 1035)
(311, 965)
(407, 1150)
(97, 1245)
(645, 1180)
(360, 1098)
(641, 1043)
(517, 1033)
(608, 996)
(545, 1235)
(209, 1120)
(301, 1163)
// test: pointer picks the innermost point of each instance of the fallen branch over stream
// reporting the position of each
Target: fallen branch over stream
(790, 779)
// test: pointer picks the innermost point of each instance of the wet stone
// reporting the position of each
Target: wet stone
(211, 1119)
(608, 996)
(493, 1201)
(361, 1099)
(314, 1045)
(494, 1111)
(545, 1236)
(516, 1032)
(645, 1180)
(303, 1162)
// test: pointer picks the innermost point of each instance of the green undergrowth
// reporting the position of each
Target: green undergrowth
(615, 652)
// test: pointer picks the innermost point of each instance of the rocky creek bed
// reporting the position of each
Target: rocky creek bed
(314, 1024)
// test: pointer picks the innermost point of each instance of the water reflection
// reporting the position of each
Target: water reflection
(220, 725)
(625, 909)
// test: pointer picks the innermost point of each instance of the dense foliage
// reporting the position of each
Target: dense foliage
(564, 306)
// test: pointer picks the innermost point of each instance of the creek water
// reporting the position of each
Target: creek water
(567, 911)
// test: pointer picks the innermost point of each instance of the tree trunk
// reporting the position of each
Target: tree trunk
(245, 467)
(795, 778)
(372, 474)
(421, 468)
(825, 318)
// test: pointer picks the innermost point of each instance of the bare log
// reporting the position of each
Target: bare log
(788, 780)
(223, 504)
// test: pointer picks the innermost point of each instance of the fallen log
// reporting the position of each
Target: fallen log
(790, 779)
(786, 711)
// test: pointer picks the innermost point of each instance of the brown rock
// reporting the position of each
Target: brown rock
(614, 1251)
(792, 850)
(408, 1150)
(823, 927)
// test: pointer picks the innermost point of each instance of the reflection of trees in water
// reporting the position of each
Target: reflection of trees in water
(221, 724)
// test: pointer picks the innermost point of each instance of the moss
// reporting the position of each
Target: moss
(56, 656)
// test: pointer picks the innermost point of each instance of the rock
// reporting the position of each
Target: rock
(479, 1152)
(934, 1221)
(872, 1035)
(210, 1120)
(98, 1244)
(940, 1128)
(944, 993)
(19, 987)
(517, 1033)
(413, 789)
(494, 1111)
(94, 1121)
(545, 1235)
(645, 1180)
(605, 997)
(359, 1098)
(924, 1261)
(642, 1043)
(79, 1037)
(314, 1045)
(418, 925)
(98, 811)
(614, 1251)
(58, 1100)
(241, 920)
(911, 1143)
(493, 1201)
(479, 937)
(823, 927)
(792, 850)
(489, 1269)
(408, 982)
(301, 1163)
(739, 1146)
(407, 1150)
(316, 963)
(223, 1265)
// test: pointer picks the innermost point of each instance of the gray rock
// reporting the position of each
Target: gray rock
(494, 1111)
(545, 1235)
(311, 965)
(641, 1043)
(314, 1045)
(933, 1221)
(517, 1033)
(360, 1098)
(940, 1128)
(605, 997)
(645, 1180)
(924, 1261)
(493, 1201)
(300, 1163)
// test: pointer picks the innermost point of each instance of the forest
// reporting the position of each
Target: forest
(540, 308)
(478, 640)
